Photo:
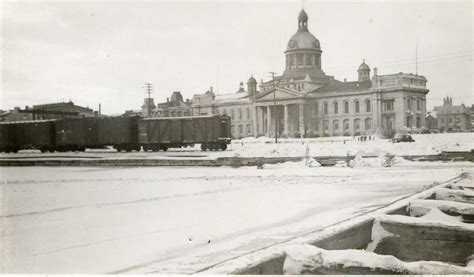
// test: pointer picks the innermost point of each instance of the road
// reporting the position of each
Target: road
(178, 220)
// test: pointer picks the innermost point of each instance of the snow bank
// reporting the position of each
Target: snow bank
(425, 144)
(301, 259)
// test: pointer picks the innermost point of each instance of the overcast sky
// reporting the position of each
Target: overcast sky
(103, 52)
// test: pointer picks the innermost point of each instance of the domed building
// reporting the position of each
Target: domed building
(308, 103)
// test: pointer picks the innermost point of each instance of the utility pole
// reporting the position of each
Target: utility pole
(274, 106)
(148, 90)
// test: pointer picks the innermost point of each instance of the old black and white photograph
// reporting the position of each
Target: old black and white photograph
(229, 137)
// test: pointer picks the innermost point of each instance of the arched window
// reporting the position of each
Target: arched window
(356, 124)
(326, 108)
(368, 123)
(308, 59)
(248, 113)
(418, 104)
(346, 124)
(357, 106)
(336, 108)
(241, 129)
(326, 125)
(240, 113)
(367, 106)
(335, 125)
(346, 107)
(249, 129)
(409, 104)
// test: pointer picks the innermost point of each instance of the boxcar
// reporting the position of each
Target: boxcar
(212, 132)
(119, 132)
(37, 134)
(76, 134)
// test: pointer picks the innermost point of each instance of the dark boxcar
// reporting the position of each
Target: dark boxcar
(76, 134)
(212, 132)
(27, 135)
(119, 132)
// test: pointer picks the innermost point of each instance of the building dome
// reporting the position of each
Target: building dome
(364, 67)
(303, 40)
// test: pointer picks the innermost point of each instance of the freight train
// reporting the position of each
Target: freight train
(122, 133)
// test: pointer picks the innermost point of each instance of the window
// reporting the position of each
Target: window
(418, 122)
(326, 108)
(367, 106)
(316, 125)
(248, 113)
(300, 59)
(308, 59)
(450, 120)
(346, 107)
(241, 129)
(388, 105)
(336, 108)
(232, 130)
(357, 106)
(335, 125)
(409, 104)
(232, 115)
(249, 129)
(368, 123)
(292, 60)
(346, 124)
(408, 121)
(418, 104)
(240, 114)
(357, 124)
(224, 112)
(442, 120)
(315, 109)
(326, 125)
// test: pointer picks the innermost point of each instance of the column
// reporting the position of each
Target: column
(269, 121)
(301, 118)
(286, 124)
(254, 121)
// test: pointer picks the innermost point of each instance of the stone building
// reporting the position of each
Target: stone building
(48, 111)
(305, 101)
(173, 107)
(453, 118)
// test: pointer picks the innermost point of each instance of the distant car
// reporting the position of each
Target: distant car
(402, 138)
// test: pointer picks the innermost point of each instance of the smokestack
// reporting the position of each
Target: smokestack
(100, 109)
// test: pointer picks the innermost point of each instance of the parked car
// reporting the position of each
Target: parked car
(402, 138)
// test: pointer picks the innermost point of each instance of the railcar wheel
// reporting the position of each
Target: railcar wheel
(203, 146)
(164, 148)
(43, 149)
(223, 146)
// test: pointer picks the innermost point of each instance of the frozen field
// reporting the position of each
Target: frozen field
(180, 220)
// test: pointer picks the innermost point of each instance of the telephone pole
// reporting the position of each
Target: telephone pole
(148, 90)
(274, 106)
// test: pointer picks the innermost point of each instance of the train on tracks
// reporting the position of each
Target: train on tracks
(122, 133)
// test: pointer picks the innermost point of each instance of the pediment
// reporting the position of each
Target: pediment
(279, 95)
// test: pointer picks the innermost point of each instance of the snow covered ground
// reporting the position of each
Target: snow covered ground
(180, 220)
(426, 144)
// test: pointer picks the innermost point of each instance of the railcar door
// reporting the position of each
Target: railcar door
(188, 130)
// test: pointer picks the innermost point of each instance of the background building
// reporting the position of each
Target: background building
(173, 107)
(48, 111)
(304, 101)
(453, 118)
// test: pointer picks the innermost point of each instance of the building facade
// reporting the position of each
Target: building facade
(173, 107)
(453, 118)
(48, 111)
(306, 102)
